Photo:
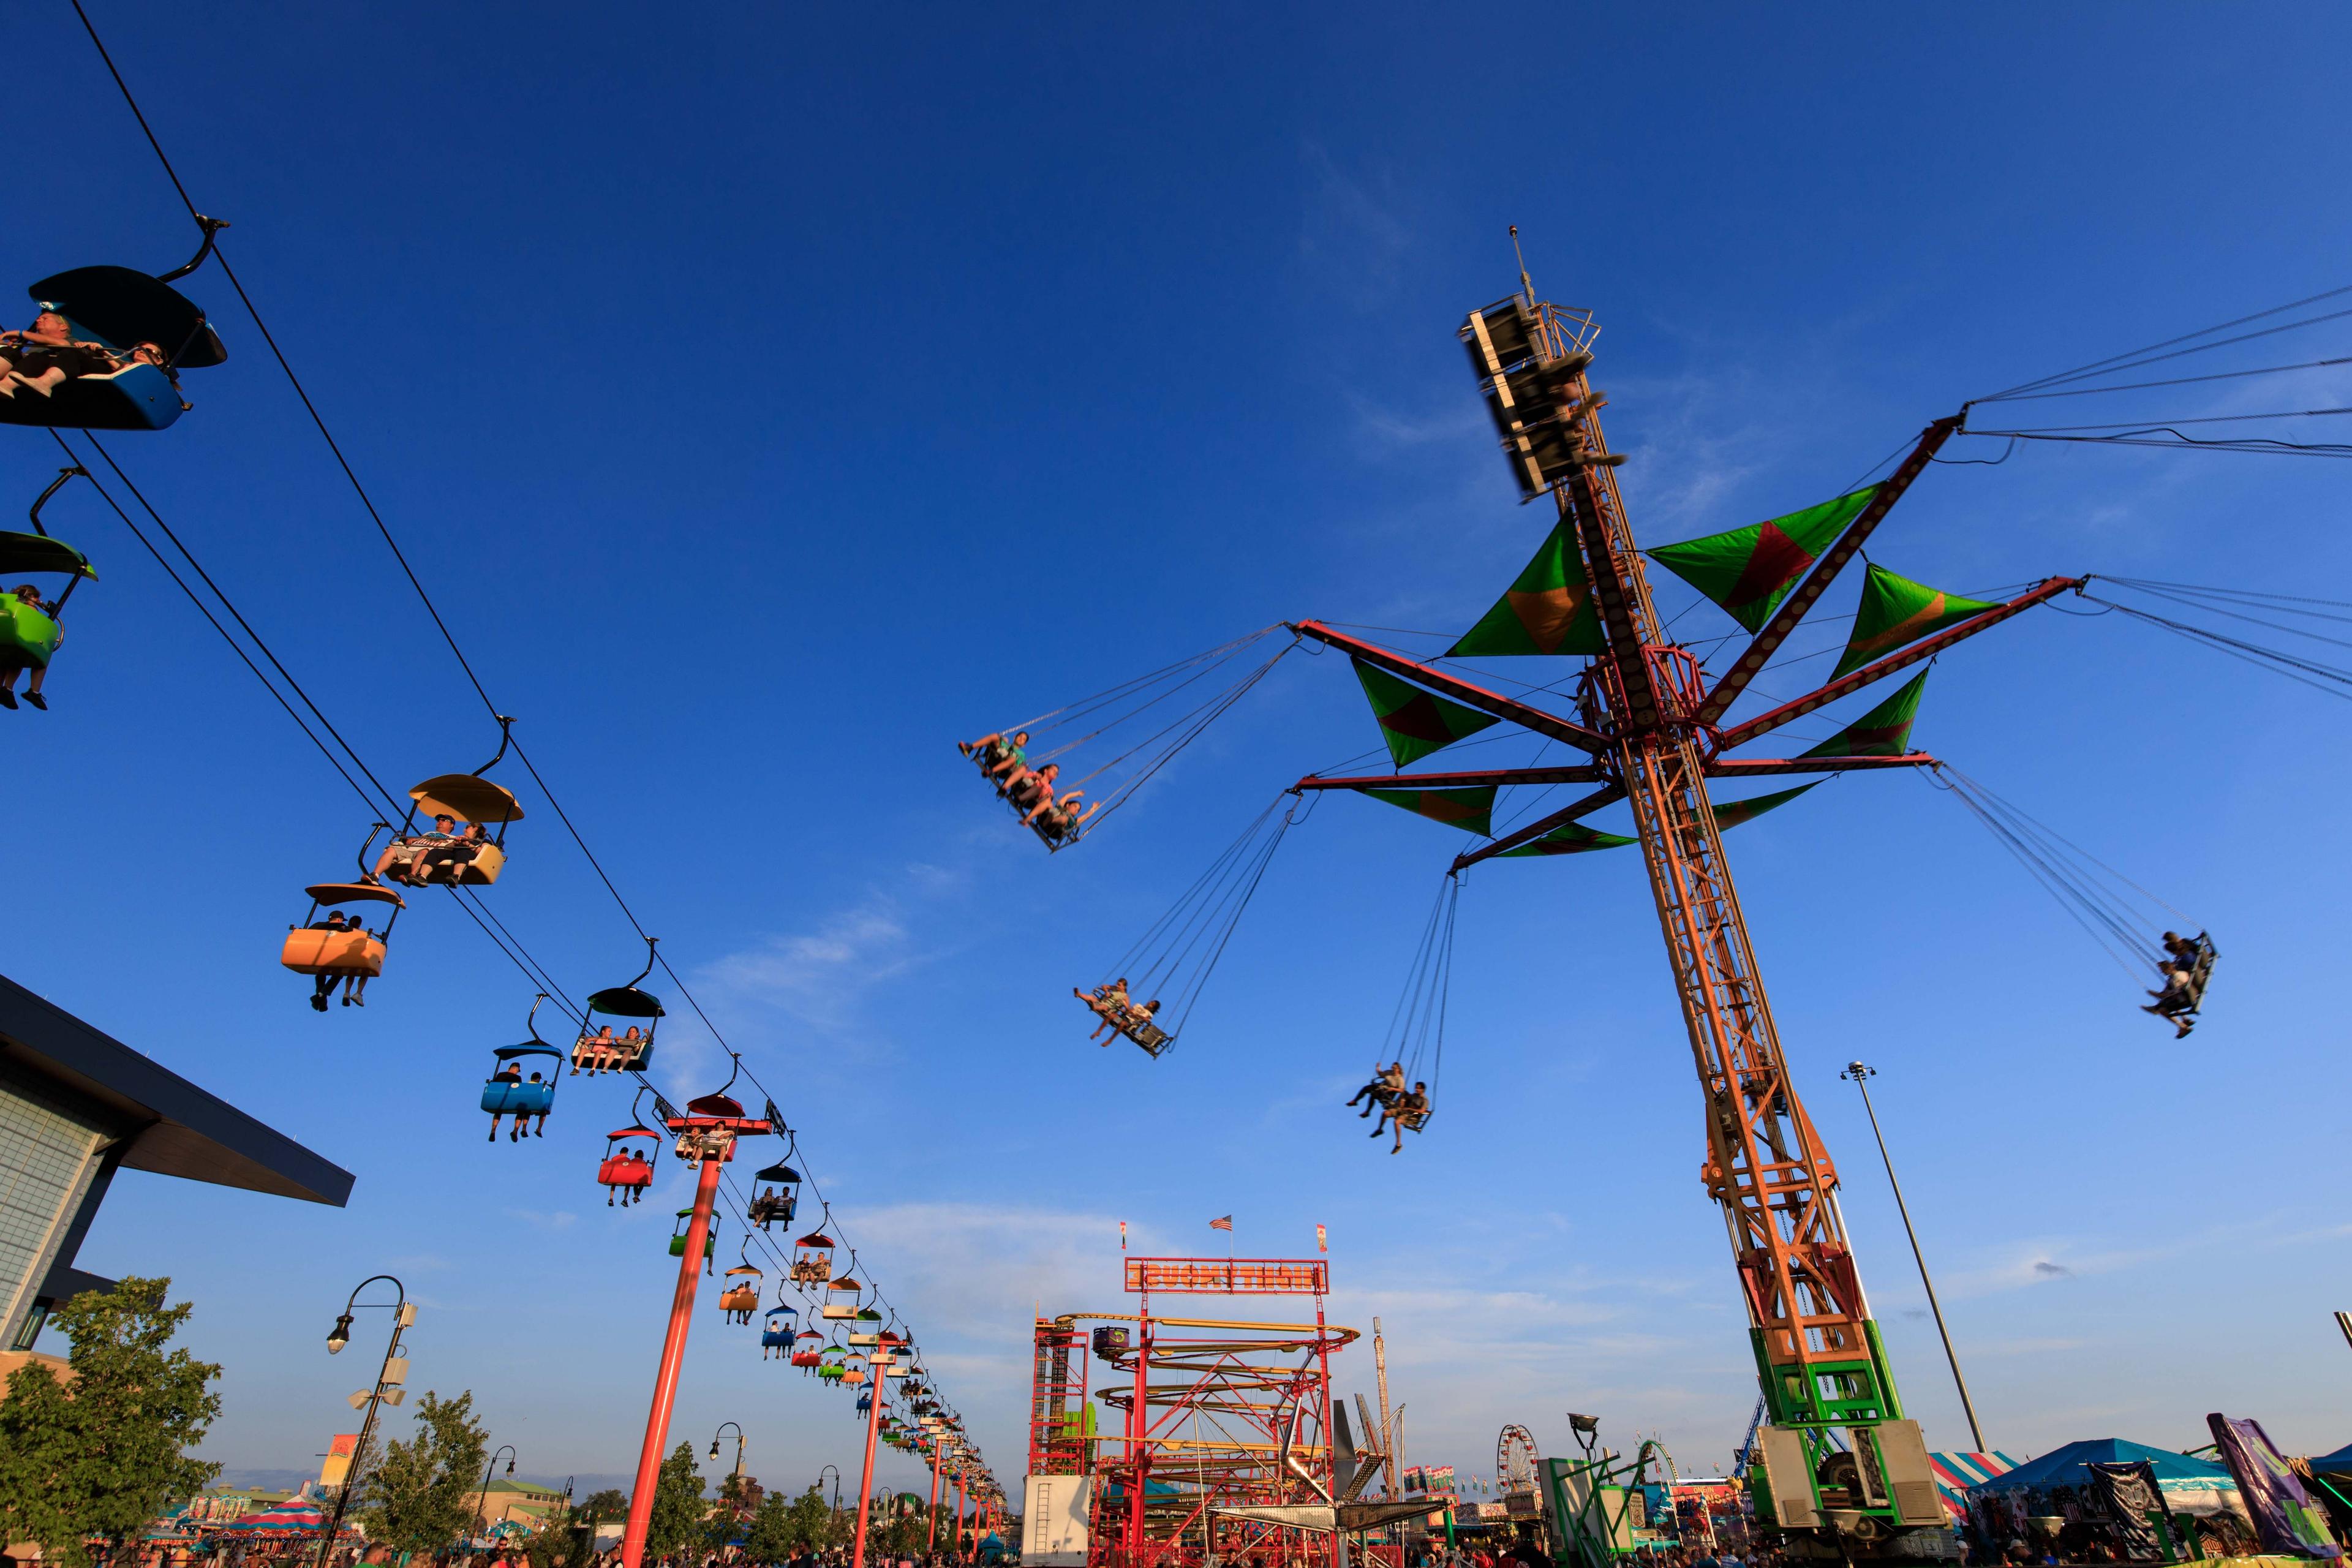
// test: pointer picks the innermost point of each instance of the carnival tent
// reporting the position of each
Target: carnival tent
(2189, 1485)
(2335, 1463)
(1956, 1473)
(294, 1516)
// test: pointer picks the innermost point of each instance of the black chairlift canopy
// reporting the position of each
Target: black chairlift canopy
(507, 1052)
(626, 1001)
(778, 1173)
(33, 552)
(126, 307)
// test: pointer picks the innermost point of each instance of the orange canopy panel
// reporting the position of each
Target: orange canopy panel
(332, 952)
(465, 797)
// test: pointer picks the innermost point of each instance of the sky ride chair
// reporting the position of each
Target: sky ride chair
(865, 1330)
(465, 861)
(624, 1173)
(710, 1239)
(776, 1330)
(813, 1258)
(505, 1092)
(29, 634)
(351, 953)
(841, 1299)
(742, 1297)
(807, 1355)
(781, 1198)
(123, 311)
(598, 1049)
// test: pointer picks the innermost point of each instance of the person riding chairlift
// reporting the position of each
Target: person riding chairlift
(1386, 1084)
(445, 832)
(46, 355)
(324, 985)
(29, 595)
(510, 1073)
(1410, 1111)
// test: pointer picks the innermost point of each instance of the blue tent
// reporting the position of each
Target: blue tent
(2337, 1463)
(2186, 1482)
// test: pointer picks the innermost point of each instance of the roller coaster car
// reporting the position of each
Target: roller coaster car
(120, 309)
(312, 947)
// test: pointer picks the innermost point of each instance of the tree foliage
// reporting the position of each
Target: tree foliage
(420, 1495)
(103, 1453)
(676, 1517)
(604, 1506)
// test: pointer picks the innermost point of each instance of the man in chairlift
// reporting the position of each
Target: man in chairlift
(324, 985)
(447, 862)
(47, 355)
(443, 832)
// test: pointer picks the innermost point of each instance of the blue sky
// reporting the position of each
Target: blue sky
(776, 400)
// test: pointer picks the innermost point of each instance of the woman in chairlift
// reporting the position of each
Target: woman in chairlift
(47, 355)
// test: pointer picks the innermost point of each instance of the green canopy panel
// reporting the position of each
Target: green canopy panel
(1472, 810)
(1749, 571)
(1548, 609)
(37, 553)
(1884, 731)
(1571, 838)
(1575, 838)
(1416, 722)
(1730, 814)
(1896, 612)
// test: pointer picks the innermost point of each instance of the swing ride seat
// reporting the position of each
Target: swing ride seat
(121, 308)
(744, 1298)
(1154, 1039)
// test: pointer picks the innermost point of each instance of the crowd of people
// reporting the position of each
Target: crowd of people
(1121, 1013)
(1003, 761)
(1407, 1110)
(46, 355)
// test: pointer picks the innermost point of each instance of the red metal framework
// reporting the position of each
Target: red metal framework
(1211, 1413)
(1654, 733)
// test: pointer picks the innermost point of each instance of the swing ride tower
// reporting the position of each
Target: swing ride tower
(1653, 729)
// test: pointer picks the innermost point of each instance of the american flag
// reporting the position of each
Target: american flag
(1224, 1224)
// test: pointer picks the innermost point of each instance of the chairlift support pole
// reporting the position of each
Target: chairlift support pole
(876, 1365)
(715, 1134)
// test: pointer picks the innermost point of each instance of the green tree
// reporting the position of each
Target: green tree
(102, 1453)
(738, 1499)
(606, 1507)
(676, 1517)
(771, 1538)
(420, 1495)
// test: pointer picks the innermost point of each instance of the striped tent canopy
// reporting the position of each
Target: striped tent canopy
(294, 1516)
(1957, 1472)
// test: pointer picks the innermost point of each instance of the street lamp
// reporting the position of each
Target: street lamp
(1862, 1075)
(837, 1485)
(507, 1449)
(739, 1444)
(388, 1390)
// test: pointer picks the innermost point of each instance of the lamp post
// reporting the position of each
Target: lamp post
(739, 1442)
(388, 1390)
(1862, 1075)
(836, 1484)
(483, 1499)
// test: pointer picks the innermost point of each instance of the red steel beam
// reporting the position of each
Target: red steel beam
(1928, 647)
(1461, 690)
(1540, 827)
(1751, 767)
(1582, 773)
(1825, 571)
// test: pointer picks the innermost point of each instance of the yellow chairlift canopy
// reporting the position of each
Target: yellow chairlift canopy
(469, 797)
(352, 893)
